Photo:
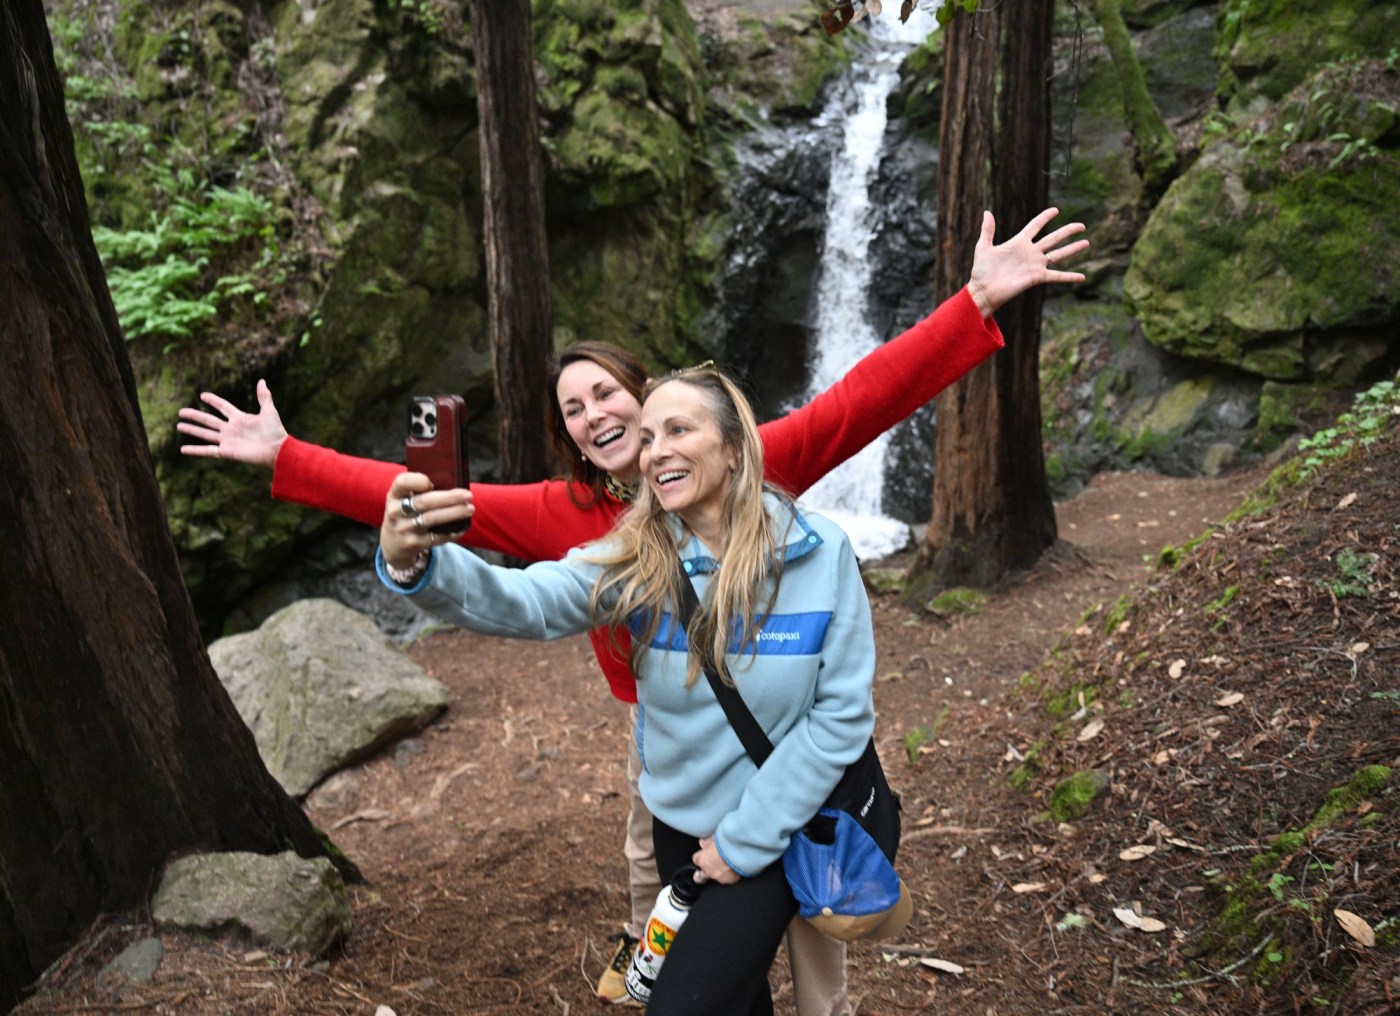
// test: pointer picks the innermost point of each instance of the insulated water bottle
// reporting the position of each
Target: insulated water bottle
(672, 905)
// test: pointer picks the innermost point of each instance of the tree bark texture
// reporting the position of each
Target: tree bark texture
(992, 511)
(118, 744)
(517, 259)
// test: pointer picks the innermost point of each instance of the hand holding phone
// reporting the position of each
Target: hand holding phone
(436, 446)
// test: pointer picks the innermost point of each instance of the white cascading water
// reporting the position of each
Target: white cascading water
(851, 496)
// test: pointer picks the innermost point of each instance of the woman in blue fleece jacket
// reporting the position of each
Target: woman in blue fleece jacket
(800, 649)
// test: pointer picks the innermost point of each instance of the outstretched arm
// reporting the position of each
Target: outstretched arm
(533, 521)
(909, 370)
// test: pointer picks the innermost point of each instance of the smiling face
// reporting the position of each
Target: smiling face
(684, 457)
(601, 417)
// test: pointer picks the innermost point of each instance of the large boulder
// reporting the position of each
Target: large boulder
(282, 900)
(321, 687)
(1277, 251)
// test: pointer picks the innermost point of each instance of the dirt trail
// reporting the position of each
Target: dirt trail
(492, 841)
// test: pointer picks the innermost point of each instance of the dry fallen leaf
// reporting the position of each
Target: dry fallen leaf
(1137, 852)
(1347, 501)
(1357, 648)
(1177, 668)
(1232, 699)
(1130, 917)
(1356, 928)
(943, 965)
(1097, 877)
(1029, 887)
(1090, 731)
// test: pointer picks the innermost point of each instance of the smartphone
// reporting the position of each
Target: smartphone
(437, 445)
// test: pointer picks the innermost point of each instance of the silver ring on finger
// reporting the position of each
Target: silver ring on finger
(418, 522)
(407, 508)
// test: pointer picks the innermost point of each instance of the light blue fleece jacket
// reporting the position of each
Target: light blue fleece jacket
(809, 686)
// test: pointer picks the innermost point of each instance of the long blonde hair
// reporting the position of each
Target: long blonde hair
(640, 574)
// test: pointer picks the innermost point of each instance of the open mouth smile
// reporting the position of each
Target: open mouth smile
(609, 437)
(670, 476)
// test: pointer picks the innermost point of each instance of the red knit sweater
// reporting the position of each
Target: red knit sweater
(540, 522)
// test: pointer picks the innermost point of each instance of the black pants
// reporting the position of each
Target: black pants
(718, 965)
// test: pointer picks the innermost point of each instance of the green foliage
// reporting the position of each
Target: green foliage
(162, 278)
(1355, 567)
(922, 734)
(1170, 557)
(1071, 699)
(1027, 771)
(426, 14)
(1218, 606)
(1071, 797)
(951, 7)
(958, 600)
(1372, 412)
(1117, 614)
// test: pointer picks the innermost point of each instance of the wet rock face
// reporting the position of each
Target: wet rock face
(766, 306)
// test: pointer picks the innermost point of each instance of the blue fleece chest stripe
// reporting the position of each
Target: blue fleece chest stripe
(781, 635)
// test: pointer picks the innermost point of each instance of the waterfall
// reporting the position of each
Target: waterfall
(852, 495)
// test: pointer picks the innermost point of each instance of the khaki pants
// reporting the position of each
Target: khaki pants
(818, 961)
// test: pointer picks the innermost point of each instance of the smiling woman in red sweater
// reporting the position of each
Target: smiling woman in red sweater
(598, 388)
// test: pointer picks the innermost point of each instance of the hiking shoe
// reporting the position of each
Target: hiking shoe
(612, 986)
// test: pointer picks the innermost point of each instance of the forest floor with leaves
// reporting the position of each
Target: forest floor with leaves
(1222, 703)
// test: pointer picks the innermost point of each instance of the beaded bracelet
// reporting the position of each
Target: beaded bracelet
(409, 576)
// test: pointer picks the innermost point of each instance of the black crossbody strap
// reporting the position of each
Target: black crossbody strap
(751, 735)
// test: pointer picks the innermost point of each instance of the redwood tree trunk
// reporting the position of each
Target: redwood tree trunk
(118, 744)
(992, 511)
(517, 260)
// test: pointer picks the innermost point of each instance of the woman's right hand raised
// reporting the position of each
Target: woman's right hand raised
(411, 509)
(254, 438)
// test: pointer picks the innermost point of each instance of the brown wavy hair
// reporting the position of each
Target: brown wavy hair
(630, 373)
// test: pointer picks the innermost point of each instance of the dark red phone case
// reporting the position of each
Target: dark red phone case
(442, 454)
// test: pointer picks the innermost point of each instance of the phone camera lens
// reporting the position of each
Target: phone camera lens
(430, 419)
(417, 429)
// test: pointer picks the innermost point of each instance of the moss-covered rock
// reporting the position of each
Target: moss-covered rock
(1269, 47)
(1277, 250)
(1072, 796)
(1093, 181)
(918, 98)
(766, 65)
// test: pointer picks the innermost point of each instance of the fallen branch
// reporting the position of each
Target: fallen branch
(1218, 975)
